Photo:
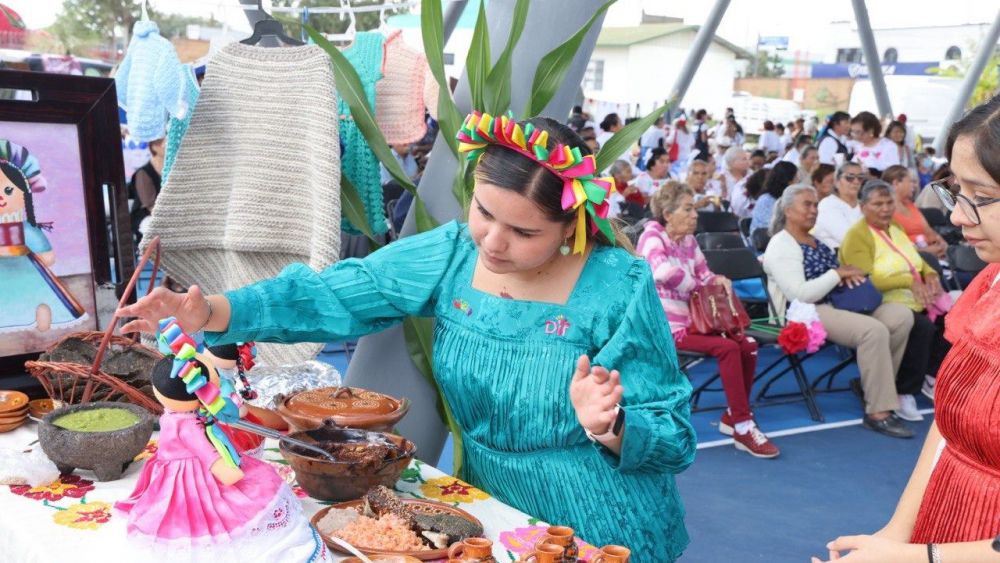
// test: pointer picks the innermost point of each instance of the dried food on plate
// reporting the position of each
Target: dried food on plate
(380, 522)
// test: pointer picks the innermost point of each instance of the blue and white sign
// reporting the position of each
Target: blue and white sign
(857, 70)
(773, 41)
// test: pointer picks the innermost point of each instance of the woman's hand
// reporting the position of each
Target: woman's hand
(851, 276)
(191, 310)
(874, 549)
(594, 393)
(724, 282)
(933, 284)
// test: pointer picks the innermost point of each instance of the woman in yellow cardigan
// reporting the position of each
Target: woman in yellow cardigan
(880, 248)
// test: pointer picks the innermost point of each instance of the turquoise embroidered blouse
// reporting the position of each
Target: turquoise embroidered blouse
(505, 367)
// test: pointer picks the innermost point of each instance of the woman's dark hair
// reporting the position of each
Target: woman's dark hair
(758, 152)
(982, 125)
(172, 387)
(768, 125)
(610, 121)
(21, 183)
(892, 126)
(779, 125)
(524, 176)
(868, 122)
(755, 183)
(895, 173)
(944, 173)
(779, 178)
(821, 172)
(654, 155)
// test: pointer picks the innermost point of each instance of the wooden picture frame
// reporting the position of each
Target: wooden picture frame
(54, 115)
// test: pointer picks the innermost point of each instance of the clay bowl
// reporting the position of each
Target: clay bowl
(329, 480)
(12, 402)
(350, 407)
(41, 407)
(383, 559)
(9, 426)
(106, 453)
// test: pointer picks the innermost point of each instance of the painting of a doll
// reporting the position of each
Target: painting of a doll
(35, 302)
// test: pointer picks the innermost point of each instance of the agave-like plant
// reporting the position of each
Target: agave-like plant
(490, 88)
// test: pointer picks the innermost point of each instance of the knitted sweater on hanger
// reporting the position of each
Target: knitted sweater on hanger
(150, 83)
(359, 163)
(399, 96)
(178, 126)
(256, 183)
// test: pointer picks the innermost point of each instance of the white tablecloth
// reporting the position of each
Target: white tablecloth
(72, 520)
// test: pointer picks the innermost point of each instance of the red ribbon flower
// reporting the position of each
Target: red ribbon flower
(794, 338)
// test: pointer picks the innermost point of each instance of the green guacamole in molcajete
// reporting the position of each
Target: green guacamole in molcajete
(97, 420)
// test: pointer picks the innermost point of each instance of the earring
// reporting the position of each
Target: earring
(564, 249)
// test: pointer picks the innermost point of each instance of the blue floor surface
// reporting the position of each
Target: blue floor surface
(827, 481)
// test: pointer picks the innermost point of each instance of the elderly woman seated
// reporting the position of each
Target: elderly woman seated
(908, 215)
(879, 247)
(800, 267)
(679, 268)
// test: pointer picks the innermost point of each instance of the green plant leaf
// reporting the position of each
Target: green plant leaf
(432, 31)
(353, 208)
(350, 89)
(625, 138)
(477, 61)
(463, 184)
(425, 221)
(553, 67)
(498, 84)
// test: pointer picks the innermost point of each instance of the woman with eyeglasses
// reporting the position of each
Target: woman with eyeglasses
(950, 509)
(840, 210)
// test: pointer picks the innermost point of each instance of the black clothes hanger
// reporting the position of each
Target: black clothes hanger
(269, 27)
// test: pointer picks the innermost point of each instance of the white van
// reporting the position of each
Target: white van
(752, 111)
(926, 100)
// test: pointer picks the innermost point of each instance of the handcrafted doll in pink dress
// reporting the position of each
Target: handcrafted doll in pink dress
(196, 499)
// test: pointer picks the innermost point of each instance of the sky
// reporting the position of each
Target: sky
(802, 21)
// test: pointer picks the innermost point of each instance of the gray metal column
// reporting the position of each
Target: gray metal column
(986, 48)
(451, 16)
(872, 58)
(702, 41)
(381, 362)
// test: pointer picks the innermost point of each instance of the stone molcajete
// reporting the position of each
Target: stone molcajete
(107, 453)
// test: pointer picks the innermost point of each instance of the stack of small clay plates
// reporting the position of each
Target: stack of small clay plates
(13, 410)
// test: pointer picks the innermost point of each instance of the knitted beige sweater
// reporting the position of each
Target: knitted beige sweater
(256, 183)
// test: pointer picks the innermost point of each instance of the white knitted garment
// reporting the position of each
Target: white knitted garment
(256, 183)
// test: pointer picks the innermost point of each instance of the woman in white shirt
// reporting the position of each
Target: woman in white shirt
(769, 139)
(609, 126)
(657, 173)
(839, 211)
(873, 152)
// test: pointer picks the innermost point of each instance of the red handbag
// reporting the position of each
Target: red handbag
(715, 312)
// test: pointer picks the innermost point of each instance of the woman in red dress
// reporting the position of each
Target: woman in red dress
(950, 509)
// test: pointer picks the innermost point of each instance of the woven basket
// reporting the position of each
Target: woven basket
(74, 383)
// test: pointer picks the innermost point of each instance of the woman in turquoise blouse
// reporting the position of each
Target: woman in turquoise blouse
(519, 321)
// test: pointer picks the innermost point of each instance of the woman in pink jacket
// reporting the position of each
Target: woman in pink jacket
(679, 267)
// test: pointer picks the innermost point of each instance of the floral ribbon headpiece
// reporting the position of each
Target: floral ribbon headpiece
(583, 189)
(173, 341)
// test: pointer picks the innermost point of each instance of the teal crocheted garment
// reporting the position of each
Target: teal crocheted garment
(178, 127)
(358, 162)
(505, 367)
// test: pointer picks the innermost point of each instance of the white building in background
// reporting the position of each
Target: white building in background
(633, 69)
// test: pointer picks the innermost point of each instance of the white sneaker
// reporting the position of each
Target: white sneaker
(908, 409)
(928, 388)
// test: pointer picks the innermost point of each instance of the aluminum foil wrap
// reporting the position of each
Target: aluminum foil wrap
(269, 381)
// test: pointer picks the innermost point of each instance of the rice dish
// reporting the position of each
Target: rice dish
(389, 533)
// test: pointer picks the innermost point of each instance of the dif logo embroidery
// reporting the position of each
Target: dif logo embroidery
(557, 326)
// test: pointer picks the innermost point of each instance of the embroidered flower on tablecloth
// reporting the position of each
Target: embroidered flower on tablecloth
(84, 516)
(148, 451)
(522, 540)
(450, 489)
(71, 486)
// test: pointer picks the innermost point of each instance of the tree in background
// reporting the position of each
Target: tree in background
(766, 65)
(337, 23)
(988, 83)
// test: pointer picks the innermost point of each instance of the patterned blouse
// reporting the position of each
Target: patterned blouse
(678, 269)
(818, 261)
